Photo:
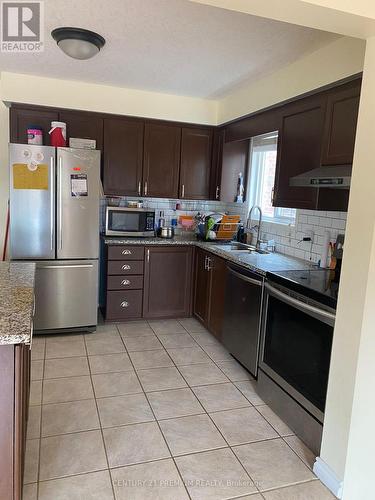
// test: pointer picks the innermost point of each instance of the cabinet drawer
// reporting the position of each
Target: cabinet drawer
(125, 283)
(128, 253)
(125, 267)
(124, 304)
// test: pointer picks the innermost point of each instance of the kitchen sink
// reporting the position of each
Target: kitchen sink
(237, 247)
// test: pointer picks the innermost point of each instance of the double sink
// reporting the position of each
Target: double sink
(240, 248)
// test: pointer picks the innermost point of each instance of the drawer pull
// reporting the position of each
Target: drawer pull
(126, 252)
(125, 282)
(126, 267)
(124, 304)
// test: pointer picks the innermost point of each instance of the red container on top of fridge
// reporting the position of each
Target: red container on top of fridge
(58, 134)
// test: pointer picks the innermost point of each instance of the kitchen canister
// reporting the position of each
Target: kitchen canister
(58, 134)
(34, 135)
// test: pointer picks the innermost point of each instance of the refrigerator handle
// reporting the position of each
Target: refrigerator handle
(60, 203)
(52, 208)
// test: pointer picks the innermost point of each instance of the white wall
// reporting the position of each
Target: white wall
(4, 178)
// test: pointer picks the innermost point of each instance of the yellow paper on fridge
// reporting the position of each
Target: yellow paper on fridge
(25, 177)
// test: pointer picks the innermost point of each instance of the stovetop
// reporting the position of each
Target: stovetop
(321, 285)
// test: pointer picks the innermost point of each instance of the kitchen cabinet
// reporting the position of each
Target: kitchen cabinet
(123, 156)
(84, 125)
(167, 283)
(235, 160)
(209, 295)
(161, 162)
(195, 169)
(22, 118)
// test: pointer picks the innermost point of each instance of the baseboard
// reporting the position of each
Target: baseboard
(328, 477)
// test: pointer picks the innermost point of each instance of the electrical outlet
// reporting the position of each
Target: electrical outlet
(309, 234)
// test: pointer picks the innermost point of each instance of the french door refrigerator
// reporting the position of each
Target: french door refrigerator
(54, 221)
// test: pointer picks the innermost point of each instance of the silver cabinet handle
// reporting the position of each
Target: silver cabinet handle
(148, 255)
(246, 278)
(125, 267)
(126, 252)
(125, 282)
(124, 304)
(217, 192)
(206, 262)
(145, 188)
(209, 261)
(139, 188)
(52, 208)
(60, 203)
(183, 191)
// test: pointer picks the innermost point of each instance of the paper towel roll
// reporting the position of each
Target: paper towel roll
(324, 254)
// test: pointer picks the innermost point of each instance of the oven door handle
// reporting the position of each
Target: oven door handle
(302, 306)
(246, 278)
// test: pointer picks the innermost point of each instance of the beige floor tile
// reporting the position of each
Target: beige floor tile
(102, 335)
(234, 371)
(30, 492)
(107, 343)
(174, 403)
(37, 369)
(205, 338)
(59, 390)
(65, 337)
(249, 390)
(33, 423)
(31, 461)
(147, 343)
(35, 392)
(159, 379)
(107, 363)
(135, 329)
(134, 444)
(272, 464)
(70, 454)
(66, 367)
(188, 356)
(115, 384)
(243, 425)
(220, 397)
(123, 410)
(202, 374)
(93, 486)
(165, 326)
(275, 420)
(38, 351)
(214, 475)
(313, 490)
(155, 481)
(217, 353)
(191, 434)
(150, 359)
(172, 341)
(63, 418)
(192, 325)
(65, 348)
(106, 327)
(304, 453)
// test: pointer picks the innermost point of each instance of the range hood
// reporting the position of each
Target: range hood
(337, 177)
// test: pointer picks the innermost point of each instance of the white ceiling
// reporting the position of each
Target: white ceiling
(171, 46)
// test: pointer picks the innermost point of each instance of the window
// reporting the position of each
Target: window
(262, 179)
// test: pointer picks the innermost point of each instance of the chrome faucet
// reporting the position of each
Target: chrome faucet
(248, 223)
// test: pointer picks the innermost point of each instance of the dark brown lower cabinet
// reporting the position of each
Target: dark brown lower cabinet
(14, 402)
(167, 283)
(209, 295)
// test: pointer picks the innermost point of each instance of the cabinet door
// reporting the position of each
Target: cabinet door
(161, 162)
(196, 153)
(341, 124)
(167, 282)
(83, 125)
(22, 118)
(123, 154)
(299, 150)
(202, 283)
(235, 160)
(218, 272)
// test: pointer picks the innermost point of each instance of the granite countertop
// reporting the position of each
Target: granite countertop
(260, 263)
(16, 302)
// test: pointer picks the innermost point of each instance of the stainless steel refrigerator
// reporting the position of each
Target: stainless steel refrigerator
(54, 221)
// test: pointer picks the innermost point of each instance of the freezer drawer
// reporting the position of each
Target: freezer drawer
(66, 294)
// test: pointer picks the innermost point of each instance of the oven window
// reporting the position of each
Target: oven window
(298, 348)
(124, 221)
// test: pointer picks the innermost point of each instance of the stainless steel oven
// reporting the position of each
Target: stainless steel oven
(296, 343)
(125, 221)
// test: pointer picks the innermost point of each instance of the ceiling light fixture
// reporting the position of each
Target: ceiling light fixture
(78, 42)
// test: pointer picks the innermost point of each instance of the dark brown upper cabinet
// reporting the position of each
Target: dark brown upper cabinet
(235, 160)
(341, 124)
(22, 118)
(196, 156)
(161, 160)
(123, 156)
(84, 125)
(299, 150)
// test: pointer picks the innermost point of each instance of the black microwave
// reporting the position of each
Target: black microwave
(126, 221)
